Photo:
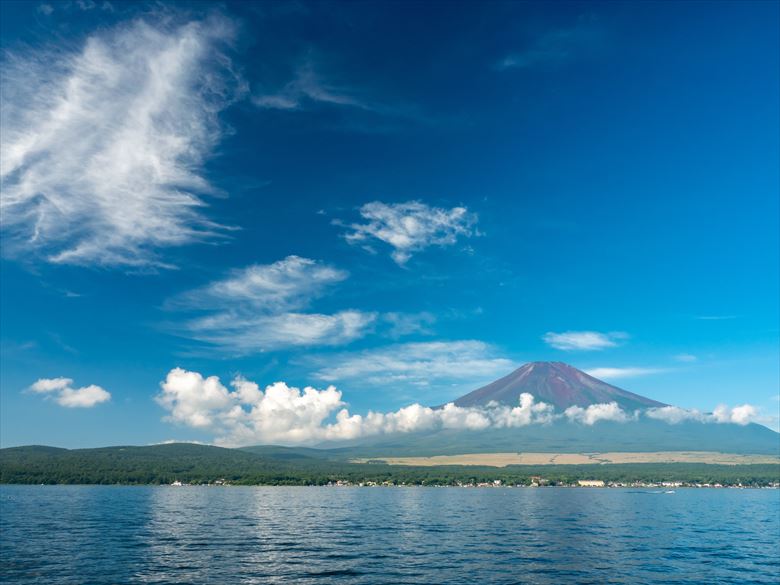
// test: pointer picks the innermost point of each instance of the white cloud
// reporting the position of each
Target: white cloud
(62, 392)
(597, 412)
(583, 340)
(402, 324)
(240, 333)
(410, 227)
(246, 414)
(619, 373)
(45, 385)
(283, 285)
(685, 358)
(674, 414)
(419, 364)
(85, 397)
(741, 414)
(103, 147)
(283, 414)
(258, 308)
(309, 87)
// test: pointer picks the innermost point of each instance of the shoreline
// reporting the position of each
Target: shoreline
(660, 488)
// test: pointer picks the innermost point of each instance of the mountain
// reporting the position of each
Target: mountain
(563, 386)
(558, 384)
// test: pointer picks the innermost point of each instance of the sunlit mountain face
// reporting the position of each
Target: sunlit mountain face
(555, 383)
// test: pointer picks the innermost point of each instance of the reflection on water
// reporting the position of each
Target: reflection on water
(85, 534)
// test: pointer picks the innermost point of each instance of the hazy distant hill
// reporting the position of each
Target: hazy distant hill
(155, 464)
(561, 436)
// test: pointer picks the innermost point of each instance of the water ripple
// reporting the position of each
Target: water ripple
(160, 535)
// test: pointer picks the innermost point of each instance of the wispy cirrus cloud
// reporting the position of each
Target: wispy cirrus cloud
(418, 364)
(262, 308)
(239, 333)
(583, 340)
(715, 317)
(103, 146)
(283, 285)
(309, 87)
(402, 324)
(556, 47)
(409, 227)
(61, 390)
(620, 373)
(314, 86)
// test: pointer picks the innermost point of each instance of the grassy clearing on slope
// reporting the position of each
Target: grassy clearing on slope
(504, 459)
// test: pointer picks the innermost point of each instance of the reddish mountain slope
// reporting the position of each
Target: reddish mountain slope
(556, 383)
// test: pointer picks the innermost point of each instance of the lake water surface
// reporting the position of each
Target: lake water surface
(100, 534)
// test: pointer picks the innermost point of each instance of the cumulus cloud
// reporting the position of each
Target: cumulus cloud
(51, 385)
(742, 414)
(674, 414)
(597, 412)
(62, 392)
(618, 373)
(260, 308)
(410, 227)
(583, 340)
(418, 364)
(246, 414)
(103, 146)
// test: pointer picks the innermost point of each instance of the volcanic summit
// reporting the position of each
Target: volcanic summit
(556, 383)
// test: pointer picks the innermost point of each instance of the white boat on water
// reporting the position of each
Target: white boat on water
(177, 483)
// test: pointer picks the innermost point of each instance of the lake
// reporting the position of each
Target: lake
(104, 534)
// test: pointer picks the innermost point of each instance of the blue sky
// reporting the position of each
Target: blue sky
(403, 201)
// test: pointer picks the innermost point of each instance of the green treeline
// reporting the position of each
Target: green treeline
(200, 464)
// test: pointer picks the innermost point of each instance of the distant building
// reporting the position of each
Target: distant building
(590, 483)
